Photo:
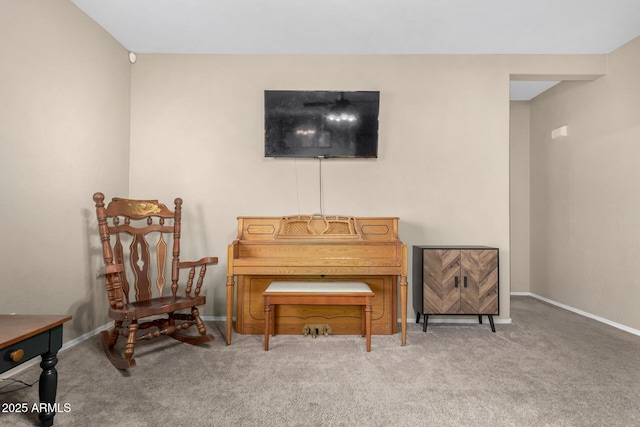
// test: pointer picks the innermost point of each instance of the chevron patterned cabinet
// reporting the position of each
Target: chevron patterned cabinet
(456, 280)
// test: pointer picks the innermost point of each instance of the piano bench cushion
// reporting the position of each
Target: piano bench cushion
(318, 287)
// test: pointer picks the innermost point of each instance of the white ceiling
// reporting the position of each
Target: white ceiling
(369, 26)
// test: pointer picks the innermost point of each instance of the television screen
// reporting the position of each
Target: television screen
(321, 123)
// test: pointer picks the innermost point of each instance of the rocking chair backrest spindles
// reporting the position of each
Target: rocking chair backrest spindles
(146, 223)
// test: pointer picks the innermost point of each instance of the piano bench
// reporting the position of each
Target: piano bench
(317, 293)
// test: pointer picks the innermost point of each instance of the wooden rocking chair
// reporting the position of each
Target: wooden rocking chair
(138, 222)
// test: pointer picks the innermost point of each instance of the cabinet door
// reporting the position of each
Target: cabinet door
(441, 277)
(479, 277)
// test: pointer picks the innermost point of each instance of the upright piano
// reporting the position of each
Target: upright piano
(317, 248)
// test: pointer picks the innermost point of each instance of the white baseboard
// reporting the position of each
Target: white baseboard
(86, 336)
(580, 312)
(215, 318)
(432, 319)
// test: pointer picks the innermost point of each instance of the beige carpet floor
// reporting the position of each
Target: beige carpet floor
(550, 367)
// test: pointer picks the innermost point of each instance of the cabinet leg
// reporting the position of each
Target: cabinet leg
(493, 327)
(417, 317)
(480, 318)
(426, 319)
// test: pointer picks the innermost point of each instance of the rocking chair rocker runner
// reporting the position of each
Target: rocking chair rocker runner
(139, 222)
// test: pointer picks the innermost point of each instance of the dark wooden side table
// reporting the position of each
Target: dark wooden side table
(23, 337)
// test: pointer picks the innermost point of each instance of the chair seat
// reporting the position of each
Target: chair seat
(155, 306)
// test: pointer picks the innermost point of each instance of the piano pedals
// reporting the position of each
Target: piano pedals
(316, 329)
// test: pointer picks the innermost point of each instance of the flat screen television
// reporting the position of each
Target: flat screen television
(321, 124)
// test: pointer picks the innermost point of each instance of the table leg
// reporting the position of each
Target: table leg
(48, 387)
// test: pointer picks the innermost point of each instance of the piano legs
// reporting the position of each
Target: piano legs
(230, 287)
(403, 294)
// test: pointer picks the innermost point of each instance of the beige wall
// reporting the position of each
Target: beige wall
(584, 196)
(519, 173)
(64, 134)
(443, 164)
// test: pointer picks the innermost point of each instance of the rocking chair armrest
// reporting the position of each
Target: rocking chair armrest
(113, 282)
(113, 269)
(191, 265)
(203, 261)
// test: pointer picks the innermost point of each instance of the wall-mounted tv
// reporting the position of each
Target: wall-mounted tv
(321, 124)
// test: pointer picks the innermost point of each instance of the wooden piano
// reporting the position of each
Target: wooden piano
(317, 248)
